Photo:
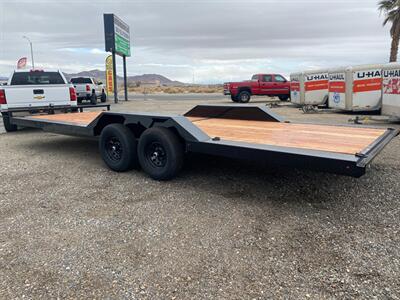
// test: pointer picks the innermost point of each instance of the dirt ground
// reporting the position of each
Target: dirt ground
(224, 229)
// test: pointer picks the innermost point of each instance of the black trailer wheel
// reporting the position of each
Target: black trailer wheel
(103, 97)
(160, 153)
(244, 97)
(283, 97)
(7, 124)
(93, 99)
(118, 148)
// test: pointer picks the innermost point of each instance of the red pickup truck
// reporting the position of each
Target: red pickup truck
(272, 85)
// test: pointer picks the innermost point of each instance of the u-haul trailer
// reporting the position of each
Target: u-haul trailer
(310, 87)
(391, 90)
(297, 88)
(157, 142)
(357, 88)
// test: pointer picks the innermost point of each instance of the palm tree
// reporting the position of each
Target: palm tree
(391, 10)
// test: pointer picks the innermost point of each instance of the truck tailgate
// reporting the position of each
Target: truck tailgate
(37, 96)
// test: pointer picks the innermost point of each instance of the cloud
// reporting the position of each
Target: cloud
(217, 40)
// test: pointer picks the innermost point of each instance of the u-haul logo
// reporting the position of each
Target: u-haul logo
(391, 73)
(317, 77)
(295, 79)
(368, 74)
(337, 77)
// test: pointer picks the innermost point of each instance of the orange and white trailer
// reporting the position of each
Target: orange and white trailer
(310, 87)
(297, 88)
(356, 88)
(316, 87)
(391, 90)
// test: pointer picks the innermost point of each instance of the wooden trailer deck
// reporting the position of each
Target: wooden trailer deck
(78, 119)
(339, 139)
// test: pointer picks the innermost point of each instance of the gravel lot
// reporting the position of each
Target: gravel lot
(71, 228)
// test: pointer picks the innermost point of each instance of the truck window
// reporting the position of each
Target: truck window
(280, 78)
(255, 77)
(267, 78)
(38, 77)
(81, 80)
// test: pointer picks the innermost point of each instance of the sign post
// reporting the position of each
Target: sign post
(117, 41)
(125, 79)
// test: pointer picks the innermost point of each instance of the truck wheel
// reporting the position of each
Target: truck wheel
(103, 97)
(160, 153)
(283, 98)
(93, 99)
(7, 124)
(244, 97)
(118, 148)
(234, 98)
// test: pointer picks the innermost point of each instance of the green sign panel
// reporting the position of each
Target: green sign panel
(117, 35)
(122, 45)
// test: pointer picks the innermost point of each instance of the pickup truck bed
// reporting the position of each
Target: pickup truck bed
(248, 132)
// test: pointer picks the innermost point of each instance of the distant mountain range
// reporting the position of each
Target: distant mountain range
(100, 75)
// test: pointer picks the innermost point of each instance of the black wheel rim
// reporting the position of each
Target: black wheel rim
(156, 155)
(114, 149)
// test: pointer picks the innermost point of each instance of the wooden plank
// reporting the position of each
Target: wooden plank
(339, 139)
(79, 119)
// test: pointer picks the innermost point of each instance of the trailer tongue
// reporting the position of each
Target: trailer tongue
(158, 142)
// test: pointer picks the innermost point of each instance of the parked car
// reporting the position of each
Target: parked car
(88, 88)
(272, 85)
(32, 90)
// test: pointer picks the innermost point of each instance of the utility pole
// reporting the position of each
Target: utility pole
(30, 43)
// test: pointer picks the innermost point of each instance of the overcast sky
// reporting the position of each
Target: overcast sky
(216, 41)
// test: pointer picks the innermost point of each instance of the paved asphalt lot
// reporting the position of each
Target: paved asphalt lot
(71, 228)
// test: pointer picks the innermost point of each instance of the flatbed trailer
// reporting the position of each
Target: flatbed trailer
(157, 143)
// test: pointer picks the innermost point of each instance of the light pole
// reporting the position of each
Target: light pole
(30, 43)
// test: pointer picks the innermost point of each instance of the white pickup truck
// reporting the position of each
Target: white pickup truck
(32, 90)
(88, 88)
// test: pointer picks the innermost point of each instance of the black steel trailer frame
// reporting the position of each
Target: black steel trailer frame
(195, 140)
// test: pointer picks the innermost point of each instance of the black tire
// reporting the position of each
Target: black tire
(118, 148)
(244, 97)
(284, 98)
(234, 98)
(103, 97)
(93, 99)
(7, 125)
(160, 153)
